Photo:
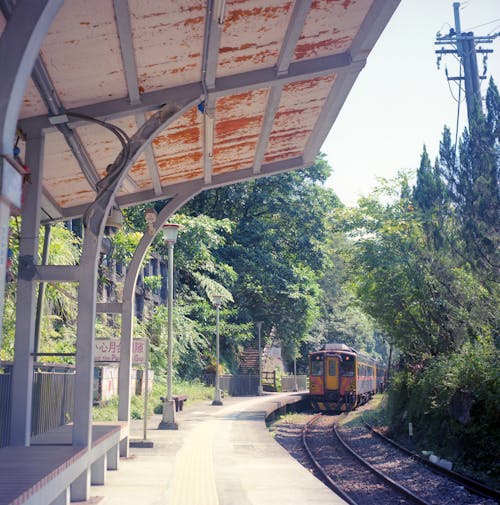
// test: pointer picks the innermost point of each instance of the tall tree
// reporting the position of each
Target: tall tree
(474, 187)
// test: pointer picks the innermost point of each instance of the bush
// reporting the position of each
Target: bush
(454, 405)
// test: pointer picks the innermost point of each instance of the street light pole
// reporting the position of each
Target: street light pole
(170, 303)
(170, 232)
(259, 328)
(217, 299)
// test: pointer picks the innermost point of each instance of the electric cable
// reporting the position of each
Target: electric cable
(114, 170)
(483, 24)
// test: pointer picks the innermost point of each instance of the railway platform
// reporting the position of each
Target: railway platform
(220, 455)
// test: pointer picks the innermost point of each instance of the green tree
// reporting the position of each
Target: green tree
(275, 247)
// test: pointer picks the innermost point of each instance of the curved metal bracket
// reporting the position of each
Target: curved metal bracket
(188, 192)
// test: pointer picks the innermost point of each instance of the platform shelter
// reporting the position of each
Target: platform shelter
(115, 103)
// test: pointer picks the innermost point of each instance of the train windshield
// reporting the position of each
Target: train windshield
(317, 365)
(347, 366)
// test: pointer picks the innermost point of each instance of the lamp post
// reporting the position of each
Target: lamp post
(170, 232)
(217, 299)
(259, 328)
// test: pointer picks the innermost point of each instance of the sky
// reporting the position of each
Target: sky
(400, 100)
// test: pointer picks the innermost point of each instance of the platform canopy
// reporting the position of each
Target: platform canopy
(258, 83)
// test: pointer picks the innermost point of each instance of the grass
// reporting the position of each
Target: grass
(195, 391)
(292, 418)
(374, 413)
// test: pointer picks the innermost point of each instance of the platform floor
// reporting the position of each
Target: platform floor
(219, 456)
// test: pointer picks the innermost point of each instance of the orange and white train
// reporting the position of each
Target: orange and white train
(341, 378)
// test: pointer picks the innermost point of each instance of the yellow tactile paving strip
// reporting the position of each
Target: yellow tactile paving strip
(193, 481)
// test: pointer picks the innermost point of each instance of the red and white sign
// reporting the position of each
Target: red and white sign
(108, 350)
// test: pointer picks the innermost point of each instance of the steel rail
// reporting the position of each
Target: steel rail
(403, 490)
(329, 481)
(470, 484)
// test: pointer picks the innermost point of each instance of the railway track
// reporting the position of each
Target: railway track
(354, 480)
(469, 484)
(362, 467)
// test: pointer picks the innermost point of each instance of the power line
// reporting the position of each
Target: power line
(483, 24)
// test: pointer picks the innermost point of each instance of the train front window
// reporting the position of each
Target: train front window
(317, 365)
(332, 368)
(347, 366)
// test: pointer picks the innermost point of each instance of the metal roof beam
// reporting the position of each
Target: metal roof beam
(122, 15)
(224, 86)
(46, 89)
(197, 185)
(336, 98)
(374, 23)
(372, 27)
(295, 28)
(150, 158)
(211, 46)
(273, 103)
(50, 206)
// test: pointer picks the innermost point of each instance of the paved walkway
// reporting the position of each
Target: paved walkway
(219, 456)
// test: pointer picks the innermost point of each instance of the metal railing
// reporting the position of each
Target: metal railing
(52, 400)
(293, 383)
(5, 388)
(235, 385)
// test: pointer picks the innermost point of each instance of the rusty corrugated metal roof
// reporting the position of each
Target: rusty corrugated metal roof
(273, 74)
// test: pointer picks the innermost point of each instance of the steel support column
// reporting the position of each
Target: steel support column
(128, 301)
(19, 46)
(94, 220)
(22, 376)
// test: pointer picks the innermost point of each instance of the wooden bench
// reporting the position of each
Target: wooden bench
(179, 401)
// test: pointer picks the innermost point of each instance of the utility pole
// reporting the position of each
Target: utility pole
(463, 44)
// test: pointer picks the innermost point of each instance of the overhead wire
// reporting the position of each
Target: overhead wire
(483, 24)
(114, 170)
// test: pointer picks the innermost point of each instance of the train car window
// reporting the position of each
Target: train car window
(317, 365)
(347, 366)
(332, 369)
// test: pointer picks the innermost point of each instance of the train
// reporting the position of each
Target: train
(341, 378)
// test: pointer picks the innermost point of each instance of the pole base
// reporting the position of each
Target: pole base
(168, 426)
(168, 418)
(217, 402)
(143, 444)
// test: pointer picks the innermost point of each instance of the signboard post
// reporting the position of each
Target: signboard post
(146, 392)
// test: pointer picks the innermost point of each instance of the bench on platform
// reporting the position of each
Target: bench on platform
(52, 471)
(179, 401)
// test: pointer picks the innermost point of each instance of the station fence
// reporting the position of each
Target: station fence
(53, 395)
(248, 385)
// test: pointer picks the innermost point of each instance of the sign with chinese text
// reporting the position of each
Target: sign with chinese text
(108, 350)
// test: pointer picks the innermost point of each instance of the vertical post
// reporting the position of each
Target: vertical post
(20, 43)
(22, 375)
(296, 387)
(217, 395)
(168, 418)
(170, 303)
(259, 328)
(4, 241)
(41, 288)
(146, 391)
(124, 372)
